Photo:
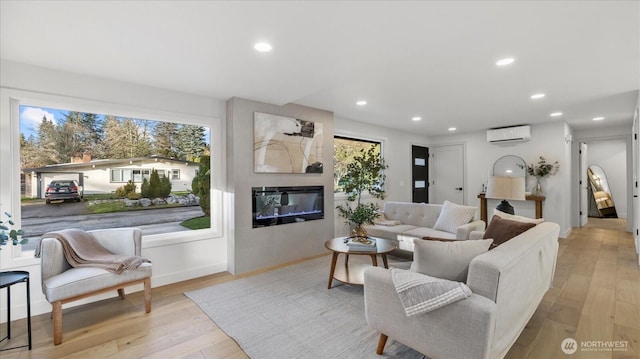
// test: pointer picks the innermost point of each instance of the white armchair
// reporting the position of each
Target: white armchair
(508, 283)
(62, 283)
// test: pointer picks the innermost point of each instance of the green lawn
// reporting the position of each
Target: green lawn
(110, 207)
(197, 223)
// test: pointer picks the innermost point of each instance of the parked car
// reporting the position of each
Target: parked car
(63, 189)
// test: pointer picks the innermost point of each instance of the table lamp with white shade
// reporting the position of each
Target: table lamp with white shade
(505, 188)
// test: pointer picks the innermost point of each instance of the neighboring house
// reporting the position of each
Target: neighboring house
(105, 176)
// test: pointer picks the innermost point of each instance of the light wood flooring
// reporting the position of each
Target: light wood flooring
(596, 297)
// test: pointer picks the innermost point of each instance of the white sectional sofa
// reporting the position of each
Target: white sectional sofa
(404, 221)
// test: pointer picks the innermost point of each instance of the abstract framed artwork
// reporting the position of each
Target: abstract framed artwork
(286, 144)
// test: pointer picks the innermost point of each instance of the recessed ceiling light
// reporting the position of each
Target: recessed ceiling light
(416, 118)
(506, 61)
(598, 118)
(361, 103)
(452, 128)
(556, 114)
(537, 96)
(262, 47)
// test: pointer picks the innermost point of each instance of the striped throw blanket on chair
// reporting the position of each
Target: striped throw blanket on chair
(420, 293)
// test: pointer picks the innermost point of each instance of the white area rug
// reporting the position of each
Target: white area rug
(290, 313)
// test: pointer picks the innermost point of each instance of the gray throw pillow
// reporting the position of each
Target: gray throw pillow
(447, 260)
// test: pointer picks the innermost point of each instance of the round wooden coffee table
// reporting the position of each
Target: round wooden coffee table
(354, 274)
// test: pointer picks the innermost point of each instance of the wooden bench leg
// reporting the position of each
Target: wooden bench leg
(147, 295)
(381, 343)
(56, 313)
(57, 322)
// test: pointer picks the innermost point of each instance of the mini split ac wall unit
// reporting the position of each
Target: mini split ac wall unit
(509, 134)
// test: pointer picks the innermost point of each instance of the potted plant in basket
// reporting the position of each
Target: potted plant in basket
(6, 233)
(364, 174)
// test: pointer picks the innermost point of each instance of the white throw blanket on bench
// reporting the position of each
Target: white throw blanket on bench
(81, 249)
(420, 293)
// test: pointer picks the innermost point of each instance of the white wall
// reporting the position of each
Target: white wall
(396, 147)
(174, 259)
(547, 140)
(255, 248)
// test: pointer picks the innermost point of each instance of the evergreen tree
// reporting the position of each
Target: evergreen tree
(28, 151)
(46, 153)
(154, 184)
(201, 184)
(115, 139)
(165, 187)
(165, 134)
(190, 142)
(142, 141)
(93, 135)
(69, 140)
(144, 188)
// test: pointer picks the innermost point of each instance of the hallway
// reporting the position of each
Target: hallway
(614, 224)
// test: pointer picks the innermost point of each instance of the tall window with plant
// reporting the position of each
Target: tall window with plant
(365, 174)
(344, 151)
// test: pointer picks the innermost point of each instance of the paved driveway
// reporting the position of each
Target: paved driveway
(61, 209)
(38, 219)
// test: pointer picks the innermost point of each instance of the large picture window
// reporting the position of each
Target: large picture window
(129, 172)
(344, 149)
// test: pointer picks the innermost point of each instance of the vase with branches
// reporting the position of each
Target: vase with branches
(365, 174)
(540, 170)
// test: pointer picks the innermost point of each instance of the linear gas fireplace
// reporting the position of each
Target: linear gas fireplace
(273, 206)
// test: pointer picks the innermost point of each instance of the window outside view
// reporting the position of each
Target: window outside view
(95, 171)
(344, 149)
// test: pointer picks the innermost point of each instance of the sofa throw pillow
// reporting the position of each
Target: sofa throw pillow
(446, 260)
(381, 220)
(502, 230)
(453, 216)
(427, 238)
(516, 218)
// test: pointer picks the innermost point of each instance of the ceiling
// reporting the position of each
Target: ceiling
(430, 59)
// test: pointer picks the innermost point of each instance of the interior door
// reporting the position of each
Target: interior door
(448, 174)
(584, 185)
(636, 177)
(420, 174)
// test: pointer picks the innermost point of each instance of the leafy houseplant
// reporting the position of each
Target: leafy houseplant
(6, 233)
(364, 174)
(541, 170)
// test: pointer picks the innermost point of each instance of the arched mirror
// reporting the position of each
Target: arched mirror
(510, 166)
(507, 182)
(601, 201)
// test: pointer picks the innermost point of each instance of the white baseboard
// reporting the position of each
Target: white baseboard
(174, 277)
(40, 306)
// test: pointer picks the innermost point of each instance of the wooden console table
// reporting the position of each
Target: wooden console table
(529, 197)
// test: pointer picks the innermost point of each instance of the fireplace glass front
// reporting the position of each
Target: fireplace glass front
(281, 205)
